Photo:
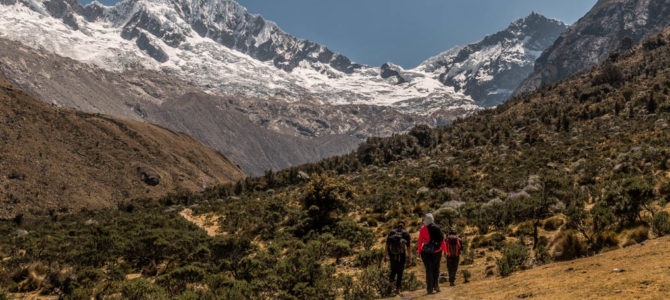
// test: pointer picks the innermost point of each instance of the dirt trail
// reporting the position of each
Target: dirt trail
(644, 273)
(207, 222)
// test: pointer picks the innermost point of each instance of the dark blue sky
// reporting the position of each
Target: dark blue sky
(405, 32)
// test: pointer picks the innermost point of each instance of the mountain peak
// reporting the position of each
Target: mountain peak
(490, 70)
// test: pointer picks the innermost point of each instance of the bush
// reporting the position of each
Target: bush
(3, 295)
(661, 223)
(368, 258)
(514, 257)
(466, 276)
(441, 177)
(339, 248)
(552, 224)
(177, 280)
(481, 241)
(410, 282)
(568, 246)
(605, 240)
(372, 283)
(140, 289)
(524, 229)
(639, 234)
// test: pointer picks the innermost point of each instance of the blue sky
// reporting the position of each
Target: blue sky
(405, 32)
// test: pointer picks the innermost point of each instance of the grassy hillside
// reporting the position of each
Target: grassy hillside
(643, 273)
(55, 160)
(572, 170)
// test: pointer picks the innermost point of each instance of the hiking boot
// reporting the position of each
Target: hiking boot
(430, 292)
(451, 284)
(437, 289)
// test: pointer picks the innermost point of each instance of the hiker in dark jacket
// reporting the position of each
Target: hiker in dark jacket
(398, 249)
(453, 253)
(431, 246)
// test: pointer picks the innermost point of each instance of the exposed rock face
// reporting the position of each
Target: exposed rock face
(238, 83)
(611, 25)
(257, 134)
(220, 47)
(490, 70)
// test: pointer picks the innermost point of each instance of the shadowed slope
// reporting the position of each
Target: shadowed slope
(60, 159)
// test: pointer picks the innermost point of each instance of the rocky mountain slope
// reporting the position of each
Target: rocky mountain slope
(62, 160)
(491, 69)
(255, 133)
(221, 47)
(611, 25)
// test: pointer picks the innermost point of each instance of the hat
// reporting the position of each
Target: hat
(453, 231)
(428, 219)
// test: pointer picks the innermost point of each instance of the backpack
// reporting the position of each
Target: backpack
(436, 238)
(396, 242)
(453, 246)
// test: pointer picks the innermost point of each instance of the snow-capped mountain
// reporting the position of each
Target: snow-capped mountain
(224, 49)
(490, 70)
(217, 45)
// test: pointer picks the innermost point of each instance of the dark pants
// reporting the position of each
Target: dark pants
(397, 268)
(432, 263)
(452, 267)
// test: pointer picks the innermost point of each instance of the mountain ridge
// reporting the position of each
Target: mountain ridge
(224, 49)
(611, 25)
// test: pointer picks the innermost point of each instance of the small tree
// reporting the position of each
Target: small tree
(324, 199)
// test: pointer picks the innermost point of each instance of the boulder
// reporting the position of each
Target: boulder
(149, 176)
(20, 232)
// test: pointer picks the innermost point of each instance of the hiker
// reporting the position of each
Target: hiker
(454, 246)
(430, 247)
(398, 249)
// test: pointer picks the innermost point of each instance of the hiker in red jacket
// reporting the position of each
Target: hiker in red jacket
(454, 246)
(431, 246)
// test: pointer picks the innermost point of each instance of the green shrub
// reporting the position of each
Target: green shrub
(410, 282)
(568, 246)
(368, 258)
(446, 218)
(372, 283)
(481, 241)
(339, 248)
(441, 177)
(466, 276)
(524, 229)
(639, 234)
(552, 224)
(140, 289)
(661, 223)
(3, 295)
(348, 229)
(77, 294)
(514, 257)
(605, 240)
(177, 280)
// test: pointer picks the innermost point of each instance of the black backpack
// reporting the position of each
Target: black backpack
(396, 242)
(436, 238)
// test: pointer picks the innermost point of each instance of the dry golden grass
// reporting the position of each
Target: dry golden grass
(645, 275)
(54, 158)
(208, 222)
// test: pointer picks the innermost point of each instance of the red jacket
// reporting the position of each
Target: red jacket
(424, 237)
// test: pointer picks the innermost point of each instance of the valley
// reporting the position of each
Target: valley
(277, 167)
